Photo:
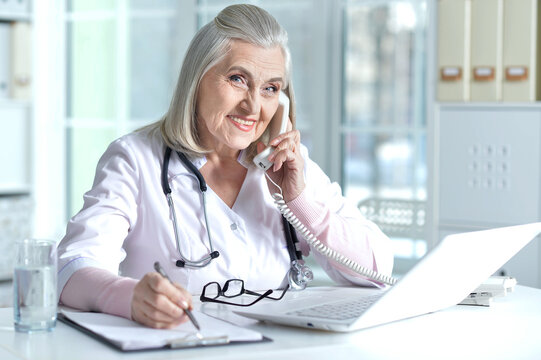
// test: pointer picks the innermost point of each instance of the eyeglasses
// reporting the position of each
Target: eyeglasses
(233, 288)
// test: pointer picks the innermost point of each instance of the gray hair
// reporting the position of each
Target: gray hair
(208, 47)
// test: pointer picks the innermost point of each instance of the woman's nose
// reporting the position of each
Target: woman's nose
(251, 102)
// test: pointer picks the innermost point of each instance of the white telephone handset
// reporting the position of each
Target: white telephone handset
(262, 162)
(283, 113)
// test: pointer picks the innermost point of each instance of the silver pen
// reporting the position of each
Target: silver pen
(160, 270)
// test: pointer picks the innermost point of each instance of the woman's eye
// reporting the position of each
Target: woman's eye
(235, 78)
(271, 89)
(238, 81)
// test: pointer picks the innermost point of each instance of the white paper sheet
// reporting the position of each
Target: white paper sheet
(129, 335)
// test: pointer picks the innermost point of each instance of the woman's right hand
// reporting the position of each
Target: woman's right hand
(158, 303)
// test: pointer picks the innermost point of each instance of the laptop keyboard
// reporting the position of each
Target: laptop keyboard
(341, 310)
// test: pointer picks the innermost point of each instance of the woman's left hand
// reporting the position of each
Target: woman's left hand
(288, 167)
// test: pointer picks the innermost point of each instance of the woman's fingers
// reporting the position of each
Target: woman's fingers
(186, 301)
(287, 171)
(281, 156)
(286, 146)
(158, 318)
(158, 303)
(174, 292)
(294, 136)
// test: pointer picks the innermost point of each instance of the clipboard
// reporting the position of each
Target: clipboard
(156, 339)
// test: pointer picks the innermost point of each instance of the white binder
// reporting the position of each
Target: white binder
(454, 22)
(520, 50)
(4, 59)
(21, 60)
(486, 50)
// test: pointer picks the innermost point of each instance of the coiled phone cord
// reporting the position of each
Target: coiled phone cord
(322, 248)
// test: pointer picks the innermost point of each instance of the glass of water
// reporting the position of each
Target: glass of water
(34, 285)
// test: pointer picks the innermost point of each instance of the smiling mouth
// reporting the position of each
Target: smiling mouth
(241, 121)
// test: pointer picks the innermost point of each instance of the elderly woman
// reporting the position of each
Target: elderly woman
(148, 202)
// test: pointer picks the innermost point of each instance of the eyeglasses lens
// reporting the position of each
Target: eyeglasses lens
(233, 288)
(212, 290)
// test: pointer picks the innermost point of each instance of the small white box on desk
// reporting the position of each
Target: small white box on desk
(497, 285)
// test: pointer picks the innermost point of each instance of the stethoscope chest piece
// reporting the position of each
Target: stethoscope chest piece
(299, 275)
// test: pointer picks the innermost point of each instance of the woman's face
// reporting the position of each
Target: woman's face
(238, 97)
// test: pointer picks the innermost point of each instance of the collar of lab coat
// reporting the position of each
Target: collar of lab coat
(176, 166)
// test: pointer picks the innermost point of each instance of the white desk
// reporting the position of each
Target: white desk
(509, 329)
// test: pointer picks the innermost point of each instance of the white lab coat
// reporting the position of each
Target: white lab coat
(125, 224)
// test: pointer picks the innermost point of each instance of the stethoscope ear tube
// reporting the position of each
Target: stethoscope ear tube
(203, 262)
(183, 262)
(165, 184)
(292, 241)
(194, 170)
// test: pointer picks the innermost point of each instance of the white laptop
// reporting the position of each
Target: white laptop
(443, 278)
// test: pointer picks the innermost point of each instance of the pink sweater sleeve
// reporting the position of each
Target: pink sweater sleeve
(336, 232)
(94, 289)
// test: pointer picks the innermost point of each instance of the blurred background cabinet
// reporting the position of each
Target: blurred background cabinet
(484, 152)
(16, 131)
(486, 166)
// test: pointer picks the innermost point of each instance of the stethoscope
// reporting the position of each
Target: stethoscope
(299, 273)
